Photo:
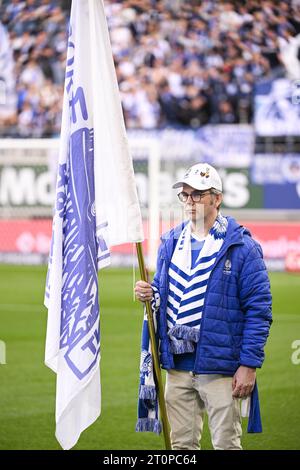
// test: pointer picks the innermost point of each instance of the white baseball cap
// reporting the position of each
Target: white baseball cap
(201, 176)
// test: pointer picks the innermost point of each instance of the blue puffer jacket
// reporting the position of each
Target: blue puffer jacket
(237, 310)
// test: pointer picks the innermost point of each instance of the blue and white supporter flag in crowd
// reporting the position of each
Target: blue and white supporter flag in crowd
(96, 207)
(8, 95)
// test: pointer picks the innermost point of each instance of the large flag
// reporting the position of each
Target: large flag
(96, 207)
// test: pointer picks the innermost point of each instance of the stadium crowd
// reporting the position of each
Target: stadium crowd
(178, 63)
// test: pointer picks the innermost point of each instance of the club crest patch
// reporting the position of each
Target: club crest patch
(227, 267)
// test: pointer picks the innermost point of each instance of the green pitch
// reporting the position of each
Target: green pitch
(27, 387)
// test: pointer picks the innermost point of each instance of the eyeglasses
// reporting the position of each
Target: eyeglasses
(196, 196)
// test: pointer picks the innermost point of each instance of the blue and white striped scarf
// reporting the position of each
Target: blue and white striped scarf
(188, 284)
(148, 411)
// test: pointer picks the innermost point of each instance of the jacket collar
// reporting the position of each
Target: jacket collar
(235, 233)
(235, 236)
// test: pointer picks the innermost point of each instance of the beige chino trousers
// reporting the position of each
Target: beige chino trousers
(188, 396)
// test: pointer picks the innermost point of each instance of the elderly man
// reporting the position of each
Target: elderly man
(213, 306)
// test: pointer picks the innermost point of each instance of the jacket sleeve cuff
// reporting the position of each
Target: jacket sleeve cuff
(246, 362)
(248, 365)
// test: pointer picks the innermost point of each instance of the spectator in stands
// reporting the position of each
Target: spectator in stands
(221, 48)
(37, 30)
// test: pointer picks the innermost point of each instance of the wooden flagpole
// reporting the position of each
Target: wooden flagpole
(157, 371)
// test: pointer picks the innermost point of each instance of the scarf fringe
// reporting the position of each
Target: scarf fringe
(185, 332)
(183, 339)
(147, 392)
(148, 424)
(181, 346)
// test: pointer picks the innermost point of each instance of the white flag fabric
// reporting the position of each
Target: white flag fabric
(96, 207)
